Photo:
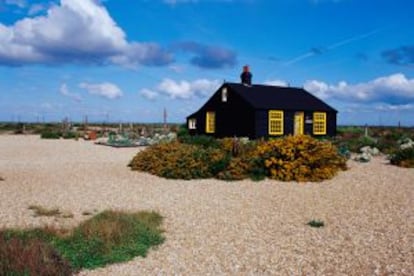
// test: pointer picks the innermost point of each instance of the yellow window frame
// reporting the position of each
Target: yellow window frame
(319, 123)
(276, 126)
(210, 122)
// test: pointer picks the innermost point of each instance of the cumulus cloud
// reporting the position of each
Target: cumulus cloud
(395, 89)
(37, 8)
(277, 83)
(65, 92)
(208, 56)
(403, 55)
(106, 89)
(187, 89)
(149, 94)
(80, 31)
(182, 89)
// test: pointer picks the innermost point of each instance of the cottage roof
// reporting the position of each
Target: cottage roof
(276, 97)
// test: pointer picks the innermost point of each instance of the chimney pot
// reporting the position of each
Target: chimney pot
(246, 76)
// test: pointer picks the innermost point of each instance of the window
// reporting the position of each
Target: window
(210, 122)
(275, 122)
(192, 124)
(319, 123)
(224, 94)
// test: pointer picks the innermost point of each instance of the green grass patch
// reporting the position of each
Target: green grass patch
(316, 223)
(47, 134)
(106, 238)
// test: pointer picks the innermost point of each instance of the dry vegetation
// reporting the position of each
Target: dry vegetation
(107, 238)
(42, 211)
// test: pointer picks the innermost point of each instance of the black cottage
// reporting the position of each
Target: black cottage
(255, 111)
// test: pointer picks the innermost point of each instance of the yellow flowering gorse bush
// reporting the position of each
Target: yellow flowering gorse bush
(299, 158)
(292, 158)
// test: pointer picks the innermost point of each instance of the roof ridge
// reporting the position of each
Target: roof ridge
(270, 96)
(264, 85)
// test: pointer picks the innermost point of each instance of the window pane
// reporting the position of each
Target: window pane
(275, 122)
(319, 123)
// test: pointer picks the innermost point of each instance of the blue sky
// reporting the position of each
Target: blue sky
(125, 60)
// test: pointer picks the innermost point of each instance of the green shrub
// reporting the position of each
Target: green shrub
(70, 135)
(403, 158)
(316, 223)
(387, 145)
(354, 130)
(180, 161)
(111, 237)
(50, 135)
(200, 140)
(107, 238)
(182, 132)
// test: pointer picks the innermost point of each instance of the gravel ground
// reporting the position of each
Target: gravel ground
(215, 227)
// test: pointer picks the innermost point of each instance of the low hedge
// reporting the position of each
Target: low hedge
(298, 158)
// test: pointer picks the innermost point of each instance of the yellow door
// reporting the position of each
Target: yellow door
(298, 130)
(210, 122)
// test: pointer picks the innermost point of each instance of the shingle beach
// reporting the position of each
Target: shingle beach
(213, 227)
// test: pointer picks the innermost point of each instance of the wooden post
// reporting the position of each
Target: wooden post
(165, 120)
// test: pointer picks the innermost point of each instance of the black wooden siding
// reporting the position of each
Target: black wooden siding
(237, 117)
(233, 118)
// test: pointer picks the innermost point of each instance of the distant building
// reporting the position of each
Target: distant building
(255, 111)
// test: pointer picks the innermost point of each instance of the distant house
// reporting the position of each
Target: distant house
(255, 111)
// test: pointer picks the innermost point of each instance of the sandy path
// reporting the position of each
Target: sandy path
(216, 227)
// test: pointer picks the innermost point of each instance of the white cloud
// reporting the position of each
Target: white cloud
(65, 92)
(36, 9)
(395, 89)
(106, 89)
(148, 94)
(277, 83)
(176, 89)
(187, 89)
(75, 31)
(183, 89)
(388, 107)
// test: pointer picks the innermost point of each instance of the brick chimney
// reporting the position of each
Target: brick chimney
(246, 76)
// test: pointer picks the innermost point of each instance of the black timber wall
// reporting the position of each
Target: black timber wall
(233, 118)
